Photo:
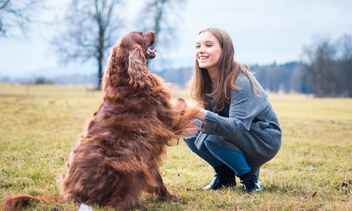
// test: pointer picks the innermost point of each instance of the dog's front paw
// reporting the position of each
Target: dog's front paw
(181, 102)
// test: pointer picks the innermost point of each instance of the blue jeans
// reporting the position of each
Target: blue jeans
(217, 156)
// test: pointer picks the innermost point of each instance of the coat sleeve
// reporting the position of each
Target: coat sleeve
(244, 107)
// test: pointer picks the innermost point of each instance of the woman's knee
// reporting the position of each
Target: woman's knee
(190, 143)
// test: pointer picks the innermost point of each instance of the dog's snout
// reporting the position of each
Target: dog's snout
(151, 37)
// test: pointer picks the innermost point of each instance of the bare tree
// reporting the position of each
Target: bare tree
(321, 55)
(89, 26)
(16, 15)
(346, 61)
(162, 17)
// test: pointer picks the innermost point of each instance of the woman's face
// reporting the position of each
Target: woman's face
(208, 50)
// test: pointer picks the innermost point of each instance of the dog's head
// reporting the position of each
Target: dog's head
(129, 56)
(138, 44)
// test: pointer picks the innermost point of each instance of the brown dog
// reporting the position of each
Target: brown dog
(119, 155)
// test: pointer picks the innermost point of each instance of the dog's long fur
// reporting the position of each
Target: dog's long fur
(119, 155)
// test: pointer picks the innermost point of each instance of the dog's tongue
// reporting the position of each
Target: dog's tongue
(152, 51)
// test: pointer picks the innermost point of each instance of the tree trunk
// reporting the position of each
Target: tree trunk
(349, 78)
(100, 72)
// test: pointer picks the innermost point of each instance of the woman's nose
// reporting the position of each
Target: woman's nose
(200, 49)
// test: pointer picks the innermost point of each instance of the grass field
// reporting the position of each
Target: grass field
(312, 171)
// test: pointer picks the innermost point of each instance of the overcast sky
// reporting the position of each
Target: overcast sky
(263, 31)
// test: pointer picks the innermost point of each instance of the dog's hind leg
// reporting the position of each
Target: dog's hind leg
(125, 200)
(161, 191)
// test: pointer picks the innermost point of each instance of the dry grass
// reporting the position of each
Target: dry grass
(312, 171)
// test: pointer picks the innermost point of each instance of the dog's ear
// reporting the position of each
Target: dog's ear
(137, 69)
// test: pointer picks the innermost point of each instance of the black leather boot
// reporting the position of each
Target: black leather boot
(224, 177)
(251, 183)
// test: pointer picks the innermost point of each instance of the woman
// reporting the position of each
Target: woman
(239, 129)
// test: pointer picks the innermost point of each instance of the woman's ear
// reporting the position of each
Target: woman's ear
(137, 69)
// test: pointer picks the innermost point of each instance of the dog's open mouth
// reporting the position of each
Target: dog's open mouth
(150, 53)
(149, 39)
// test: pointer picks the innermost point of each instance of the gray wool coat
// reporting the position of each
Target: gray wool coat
(248, 125)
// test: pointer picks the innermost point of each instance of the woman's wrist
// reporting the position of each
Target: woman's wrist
(202, 114)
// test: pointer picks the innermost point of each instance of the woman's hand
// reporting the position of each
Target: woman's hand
(202, 112)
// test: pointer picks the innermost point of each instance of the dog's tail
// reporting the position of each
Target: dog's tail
(17, 202)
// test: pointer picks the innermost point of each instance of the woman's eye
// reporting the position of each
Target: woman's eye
(208, 45)
(197, 46)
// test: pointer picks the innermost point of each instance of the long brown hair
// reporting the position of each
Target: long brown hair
(200, 83)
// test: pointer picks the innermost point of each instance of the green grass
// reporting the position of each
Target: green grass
(312, 171)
